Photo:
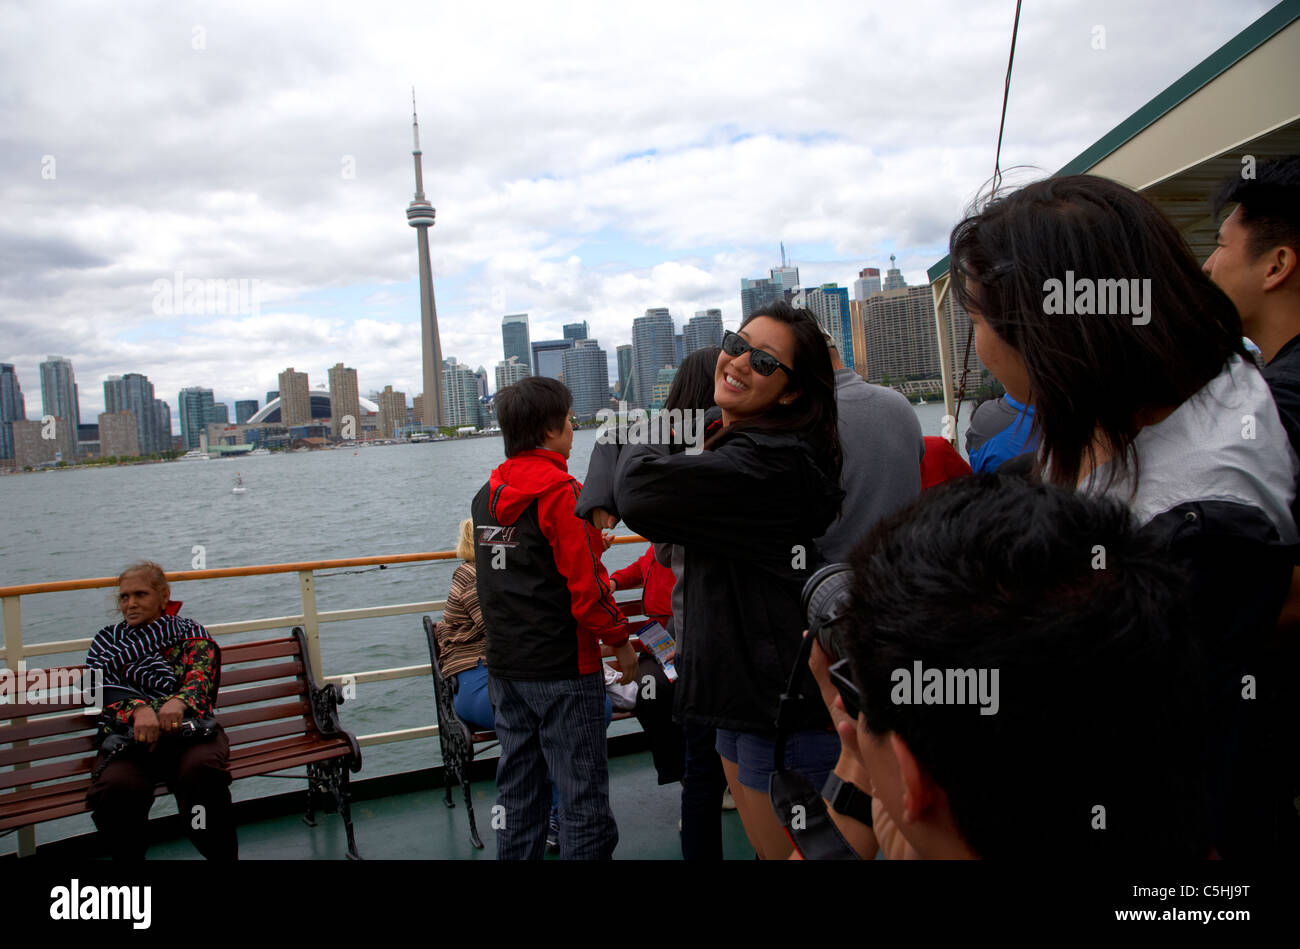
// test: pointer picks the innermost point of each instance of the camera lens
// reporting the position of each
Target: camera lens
(825, 601)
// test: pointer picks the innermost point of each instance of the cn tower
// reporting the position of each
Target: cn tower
(419, 214)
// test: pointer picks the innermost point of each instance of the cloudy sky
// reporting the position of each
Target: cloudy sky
(586, 162)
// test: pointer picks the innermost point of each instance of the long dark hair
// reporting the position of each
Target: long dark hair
(813, 416)
(692, 387)
(1092, 373)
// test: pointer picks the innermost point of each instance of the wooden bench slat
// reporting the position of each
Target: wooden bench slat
(72, 801)
(269, 713)
(228, 699)
(265, 649)
(248, 749)
(280, 670)
(41, 727)
(46, 772)
(28, 709)
(323, 752)
(39, 751)
(292, 726)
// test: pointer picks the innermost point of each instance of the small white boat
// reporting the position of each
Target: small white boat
(195, 455)
(239, 485)
(259, 451)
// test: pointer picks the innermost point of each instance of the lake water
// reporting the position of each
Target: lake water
(72, 524)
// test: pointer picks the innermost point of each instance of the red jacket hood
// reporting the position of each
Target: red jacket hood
(520, 480)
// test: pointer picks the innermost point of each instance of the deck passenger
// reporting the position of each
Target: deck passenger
(547, 604)
(160, 670)
(462, 639)
(746, 511)
(1086, 298)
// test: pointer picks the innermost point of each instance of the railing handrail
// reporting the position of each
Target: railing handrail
(180, 576)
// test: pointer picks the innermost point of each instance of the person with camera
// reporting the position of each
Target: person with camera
(745, 512)
(161, 673)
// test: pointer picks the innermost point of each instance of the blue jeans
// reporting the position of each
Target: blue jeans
(558, 728)
(702, 790)
(471, 701)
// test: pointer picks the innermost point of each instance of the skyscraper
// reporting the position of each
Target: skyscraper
(59, 399)
(460, 393)
(510, 371)
(868, 282)
(114, 399)
(481, 375)
(244, 410)
(295, 398)
(345, 401)
(653, 348)
(137, 397)
(515, 341)
(900, 333)
(894, 277)
(576, 331)
(623, 356)
(195, 407)
(12, 408)
(548, 357)
(420, 215)
(392, 412)
(830, 304)
(703, 329)
(756, 294)
(586, 373)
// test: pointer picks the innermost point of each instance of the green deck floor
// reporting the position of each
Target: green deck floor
(418, 826)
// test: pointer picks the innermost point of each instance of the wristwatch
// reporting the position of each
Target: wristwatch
(848, 799)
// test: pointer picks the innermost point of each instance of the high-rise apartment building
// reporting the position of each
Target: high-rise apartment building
(196, 410)
(515, 341)
(133, 393)
(30, 449)
(663, 385)
(756, 294)
(119, 435)
(114, 398)
(868, 282)
(830, 304)
(392, 411)
(653, 348)
(575, 331)
(586, 373)
(510, 371)
(295, 398)
(481, 375)
(785, 278)
(220, 414)
(460, 394)
(345, 401)
(548, 357)
(12, 408)
(623, 356)
(900, 335)
(703, 329)
(59, 399)
(244, 410)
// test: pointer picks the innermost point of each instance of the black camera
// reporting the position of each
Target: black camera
(825, 603)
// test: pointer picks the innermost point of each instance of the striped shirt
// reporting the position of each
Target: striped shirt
(462, 637)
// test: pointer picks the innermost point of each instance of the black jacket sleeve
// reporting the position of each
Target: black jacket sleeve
(598, 487)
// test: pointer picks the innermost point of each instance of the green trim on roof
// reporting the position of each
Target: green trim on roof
(1200, 75)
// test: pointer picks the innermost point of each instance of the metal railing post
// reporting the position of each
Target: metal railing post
(311, 622)
(13, 656)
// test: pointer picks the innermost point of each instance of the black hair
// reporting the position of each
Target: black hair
(692, 387)
(1091, 373)
(1100, 695)
(1270, 204)
(530, 408)
(814, 415)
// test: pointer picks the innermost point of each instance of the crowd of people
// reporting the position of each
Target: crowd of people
(1121, 567)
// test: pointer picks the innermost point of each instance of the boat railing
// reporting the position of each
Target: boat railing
(13, 650)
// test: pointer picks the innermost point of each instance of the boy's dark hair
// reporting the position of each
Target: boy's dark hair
(1099, 696)
(1270, 204)
(1003, 255)
(530, 408)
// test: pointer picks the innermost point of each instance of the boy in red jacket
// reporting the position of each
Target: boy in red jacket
(547, 605)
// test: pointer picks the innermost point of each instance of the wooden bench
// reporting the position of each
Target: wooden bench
(52, 746)
(457, 742)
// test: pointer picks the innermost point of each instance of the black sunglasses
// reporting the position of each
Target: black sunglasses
(842, 677)
(763, 362)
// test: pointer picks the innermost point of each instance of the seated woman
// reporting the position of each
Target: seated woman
(1143, 390)
(159, 669)
(462, 639)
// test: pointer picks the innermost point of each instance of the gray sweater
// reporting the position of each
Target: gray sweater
(882, 460)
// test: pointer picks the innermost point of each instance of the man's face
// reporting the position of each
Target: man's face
(139, 601)
(1237, 273)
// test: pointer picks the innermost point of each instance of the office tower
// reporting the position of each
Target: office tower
(756, 294)
(244, 410)
(663, 383)
(868, 282)
(515, 341)
(548, 357)
(119, 435)
(114, 399)
(272, 396)
(12, 408)
(220, 414)
(295, 398)
(138, 399)
(623, 356)
(653, 348)
(830, 304)
(894, 277)
(420, 215)
(460, 395)
(575, 331)
(703, 329)
(392, 412)
(901, 339)
(162, 414)
(510, 371)
(345, 401)
(195, 407)
(785, 277)
(678, 352)
(586, 373)
(481, 375)
(59, 399)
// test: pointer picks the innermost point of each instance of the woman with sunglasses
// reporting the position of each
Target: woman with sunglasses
(1156, 402)
(745, 512)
